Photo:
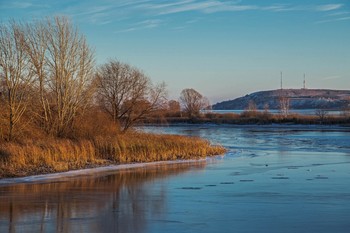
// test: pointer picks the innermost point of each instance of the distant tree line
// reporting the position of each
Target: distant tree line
(49, 83)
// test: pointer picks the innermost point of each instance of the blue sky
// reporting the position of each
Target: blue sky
(224, 49)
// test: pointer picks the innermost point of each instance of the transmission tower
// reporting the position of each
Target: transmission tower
(281, 81)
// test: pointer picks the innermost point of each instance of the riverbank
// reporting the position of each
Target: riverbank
(253, 117)
(29, 157)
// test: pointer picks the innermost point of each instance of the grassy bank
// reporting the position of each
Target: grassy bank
(30, 157)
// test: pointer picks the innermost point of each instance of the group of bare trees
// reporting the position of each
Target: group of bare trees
(47, 65)
(48, 78)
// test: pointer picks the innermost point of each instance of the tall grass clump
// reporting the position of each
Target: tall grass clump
(141, 147)
(57, 155)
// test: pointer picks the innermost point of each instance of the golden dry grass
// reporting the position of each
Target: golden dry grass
(57, 155)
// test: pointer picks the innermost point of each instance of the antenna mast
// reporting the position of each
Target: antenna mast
(281, 81)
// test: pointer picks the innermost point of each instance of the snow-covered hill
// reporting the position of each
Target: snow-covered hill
(298, 99)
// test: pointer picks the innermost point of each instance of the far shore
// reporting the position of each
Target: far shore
(252, 117)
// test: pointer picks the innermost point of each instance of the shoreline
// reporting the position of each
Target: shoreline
(248, 117)
(253, 125)
(73, 174)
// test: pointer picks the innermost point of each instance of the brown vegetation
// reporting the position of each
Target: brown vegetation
(58, 114)
(255, 117)
(56, 155)
(95, 141)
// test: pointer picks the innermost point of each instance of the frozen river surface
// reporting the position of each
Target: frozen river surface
(273, 179)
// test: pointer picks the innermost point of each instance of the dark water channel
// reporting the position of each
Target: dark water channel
(273, 179)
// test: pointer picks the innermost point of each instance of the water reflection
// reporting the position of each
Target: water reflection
(119, 202)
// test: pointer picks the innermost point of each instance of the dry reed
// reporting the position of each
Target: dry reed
(57, 155)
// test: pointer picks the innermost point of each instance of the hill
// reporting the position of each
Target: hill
(298, 99)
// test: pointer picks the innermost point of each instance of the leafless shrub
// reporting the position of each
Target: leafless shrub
(193, 102)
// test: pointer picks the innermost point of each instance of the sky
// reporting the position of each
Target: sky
(223, 49)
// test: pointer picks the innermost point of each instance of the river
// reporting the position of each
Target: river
(272, 179)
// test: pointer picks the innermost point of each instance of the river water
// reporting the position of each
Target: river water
(272, 179)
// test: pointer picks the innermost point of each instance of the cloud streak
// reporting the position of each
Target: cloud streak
(209, 6)
(333, 20)
(214, 6)
(22, 5)
(142, 25)
(329, 7)
(332, 77)
(105, 12)
(16, 5)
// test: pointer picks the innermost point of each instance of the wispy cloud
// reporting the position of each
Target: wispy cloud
(333, 20)
(276, 8)
(21, 5)
(209, 6)
(329, 7)
(146, 24)
(106, 11)
(191, 6)
(125, 30)
(332, 77)
(231, 8)
(150, 23)
(167, 5)
(92, 10)
(339, 13)
(98, 15)
(213, 6)
(15, 5)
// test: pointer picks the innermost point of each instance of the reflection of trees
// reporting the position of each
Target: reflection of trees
(119, 202)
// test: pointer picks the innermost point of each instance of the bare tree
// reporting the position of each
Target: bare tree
(284, 105)
(193, 102)
(37, 48)
(69, 61)
(266, 108)
(252, 106)
(15, 76)
(126, 93)
(154, 99)
(322, 114)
